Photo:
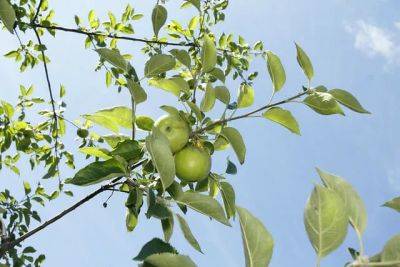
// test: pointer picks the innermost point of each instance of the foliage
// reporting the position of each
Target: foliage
(141, 165)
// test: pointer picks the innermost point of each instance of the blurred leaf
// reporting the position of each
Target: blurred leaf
(246, 96)
(158, 17)
(282, 117)
(348, 100)
(182, 56)
(276, 71)
(96, 152)
(208, 54)
(158, 64)
(144, 122)
(325, 220)
(187, 233)
(228, 196)
(137, 92)
(304, 62)
(391, 251)
(154, 246)
(129, 150)
(394, 204)
(114, 58)
(168, 227)
(131, 220)
(258, 244)
(158, 146)
(208, 101)
(112, 118)
(174, 85)
(168, 260)
(222, 94)
(7, 15)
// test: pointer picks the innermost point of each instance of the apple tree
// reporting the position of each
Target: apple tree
(163, 166)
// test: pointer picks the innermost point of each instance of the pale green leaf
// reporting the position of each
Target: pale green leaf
(7, 15)
(204, 204)
(182, 56)
(158, 146)
(196, 110)
(323, 103)
(276, 71)
(187, 233)
(131, 220)
(222, 94)
(158, 64)
(258, 244)
(158, 18)
(168, 260)
(228, 196)
(325, 220)
(236, 141)
(208, 54)
(114, 58)
(304, 62)
(208, 101)
(282, 117)
(394, 204)
(144, 122)
(174, 85)
(112, 118)
(246, 96)
(391, 251)
(348, 100)
(137, 92)
(96, 152)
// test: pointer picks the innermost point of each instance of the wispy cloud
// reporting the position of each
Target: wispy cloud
(376, 41)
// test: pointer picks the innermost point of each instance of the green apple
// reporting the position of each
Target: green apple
(175, 129)
(192, 164)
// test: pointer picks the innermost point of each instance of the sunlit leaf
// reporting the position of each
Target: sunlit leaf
(246, 96)
(283, 117)
(96, 152)
(158, 64)
(304, 62)
(348, 100)
(222, 94)
(174, 85)
(114, 58)
(208, 54)
(168, 260)
(228, 196)
(112, 118)
(236, 141)
(323, 103)
(182, 56)
(276, 71)
(144, 122)
(137, 92)
(208, 101)
(158, 17)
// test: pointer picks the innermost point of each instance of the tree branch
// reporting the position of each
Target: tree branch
(223, 121)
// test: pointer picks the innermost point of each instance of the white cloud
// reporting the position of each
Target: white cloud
(376, 41)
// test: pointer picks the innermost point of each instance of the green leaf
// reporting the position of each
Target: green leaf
(131, 220)
(282, 117)
(174, 85)
(7, 15)
(204, 204)
(222, 94)
(325, 220)
(114, 58)
(96, 152)
(137, 92)
(154, 246)
(144, 122)
(231, 168)
(394, 204)
(158, 146)
(323, 103)
(187, 233)
(258, 244)
(97, 172)
(112, 118)
(276, 71)
(168, 260)
(170, 110)
(354, 205)
(208, 54)
(391, 251)
(208, 101)
(304, 62)
(228, 196)
(158, 17)
(348, 100)
(168, 227)
(236, 140)
(27, 187)
(246, 96)
(196, 110)
(182, 56)
(219, 74)
(129, 150)
(158, 64)
(113, 140)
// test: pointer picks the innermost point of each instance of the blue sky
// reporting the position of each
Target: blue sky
(354, 45)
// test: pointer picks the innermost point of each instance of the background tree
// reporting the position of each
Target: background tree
(193, 63)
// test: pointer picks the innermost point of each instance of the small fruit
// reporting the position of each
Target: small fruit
(175, 129)
(82, 133)
(192, 164)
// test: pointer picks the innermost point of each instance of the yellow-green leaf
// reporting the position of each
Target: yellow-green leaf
(282, 117)
(304, 62)
(158, 64)
(208, 54)
(276, 71)
(246, 96)
(144, 122)
(236, 141)
(114, 58)
(348, 100)
(208, 101)
(323, 103)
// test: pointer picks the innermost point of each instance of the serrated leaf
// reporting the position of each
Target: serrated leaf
(222, 94)
(187, 233)
(112, 118)
(96, 152)
(158, 17)
(158, 64)
(276, 71)
(144, 122)
(236, 141)
(208, 101)
(182, 56)
(203, 204)
(258, 244)
(174, 85)
(228, 196)
(114, 58)
(158, 146)
(208, 54)
(246, 96)
(354, 205)
(97, 172)
(282, 117)
(394, 204)
(7, 15)
(348, 100)
(168, 260)
(325, 220)
(154, 246)
(137, 92)
(323, 103)
(304, 62)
